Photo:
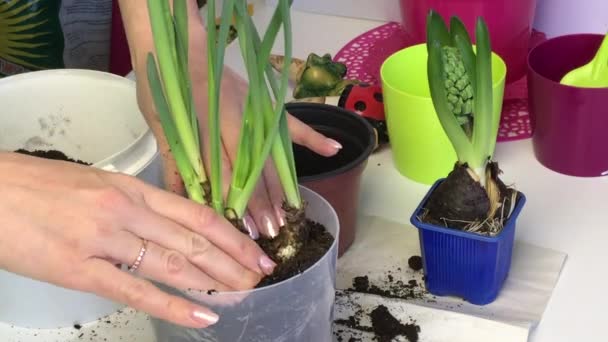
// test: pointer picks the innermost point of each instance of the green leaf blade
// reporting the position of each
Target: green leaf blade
(483, 130)
(436, 30)
(164, 40)
(180, 11)
(272, 136)
(462, 41)
(195, 191)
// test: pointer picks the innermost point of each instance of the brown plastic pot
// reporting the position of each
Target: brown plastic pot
(335, 178)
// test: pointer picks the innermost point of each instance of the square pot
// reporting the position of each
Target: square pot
(467, 265)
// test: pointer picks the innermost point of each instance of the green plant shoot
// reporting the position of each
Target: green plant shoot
(264, 126)
(460, 81)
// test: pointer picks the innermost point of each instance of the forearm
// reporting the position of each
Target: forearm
(136, 20)
(135, 17)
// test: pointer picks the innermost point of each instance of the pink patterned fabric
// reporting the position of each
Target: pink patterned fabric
(364, 55)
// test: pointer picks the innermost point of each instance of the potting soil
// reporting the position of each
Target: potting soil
(313, 248)
(415, 262)
(390, 288)
(384, 326)
(51, 154)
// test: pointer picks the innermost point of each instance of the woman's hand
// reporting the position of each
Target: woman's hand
(70, 225)
(265, 215)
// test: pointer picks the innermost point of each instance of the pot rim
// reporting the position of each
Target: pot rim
(347, 115)
(521, 200)
(497, 83)
(555, 40)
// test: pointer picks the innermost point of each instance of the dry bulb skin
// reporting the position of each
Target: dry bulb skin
(289, 242)
(461, 202)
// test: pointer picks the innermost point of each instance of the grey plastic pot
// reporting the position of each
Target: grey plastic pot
(297, 309)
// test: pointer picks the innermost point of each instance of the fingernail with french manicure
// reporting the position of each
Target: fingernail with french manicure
(280, 215)
(252, 229)
(204, 317)
(267, 265)
(269, 225)
(336, 145)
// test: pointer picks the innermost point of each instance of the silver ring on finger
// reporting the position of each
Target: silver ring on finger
(140, 257)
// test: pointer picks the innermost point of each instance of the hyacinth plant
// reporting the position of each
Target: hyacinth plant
(472, 197)
(264, 131)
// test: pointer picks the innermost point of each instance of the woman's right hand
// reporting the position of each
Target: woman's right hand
(70, 225)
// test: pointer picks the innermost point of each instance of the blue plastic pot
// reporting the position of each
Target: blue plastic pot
(462, 264)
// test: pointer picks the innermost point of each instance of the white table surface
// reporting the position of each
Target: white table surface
(564, 213)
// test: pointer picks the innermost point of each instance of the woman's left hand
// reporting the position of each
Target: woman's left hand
(264, 213)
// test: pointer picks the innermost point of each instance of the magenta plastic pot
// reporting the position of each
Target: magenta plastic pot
(570, 124)
(509, 23)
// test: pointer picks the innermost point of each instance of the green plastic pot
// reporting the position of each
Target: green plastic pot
(421, 150)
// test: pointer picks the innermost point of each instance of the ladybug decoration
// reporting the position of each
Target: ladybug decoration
(366, 100)
(319, 77)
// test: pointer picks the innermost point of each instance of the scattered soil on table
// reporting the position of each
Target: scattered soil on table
(392, 285)
(415, 262)
(386, 326)
(390, 288)
(313, 247)
(361, 284)
(353, 322)
(51, 154)
(339, 337)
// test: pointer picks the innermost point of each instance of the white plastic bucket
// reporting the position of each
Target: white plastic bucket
(89, 115)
